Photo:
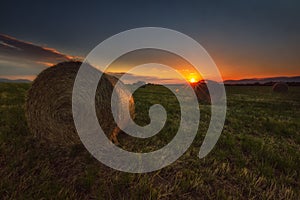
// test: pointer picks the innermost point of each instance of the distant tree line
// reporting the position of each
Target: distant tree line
(263, 84)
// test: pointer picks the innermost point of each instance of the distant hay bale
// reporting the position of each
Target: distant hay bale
(201, 91)
(48, 105)
(280, 87)
(204, 95)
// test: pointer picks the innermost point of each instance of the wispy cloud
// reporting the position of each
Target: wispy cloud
(130, 78)
(20, 58)
(12, 47)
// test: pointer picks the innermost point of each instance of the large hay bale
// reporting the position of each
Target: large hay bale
(49, 105)
(280, 87)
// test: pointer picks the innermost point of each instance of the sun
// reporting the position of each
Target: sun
(193, 80)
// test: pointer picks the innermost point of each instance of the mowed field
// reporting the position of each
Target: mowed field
(257, 155)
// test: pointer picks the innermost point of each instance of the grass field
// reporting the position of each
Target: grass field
(257, 155)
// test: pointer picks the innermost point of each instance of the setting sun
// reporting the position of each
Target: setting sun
(192, 77)
(192, 80)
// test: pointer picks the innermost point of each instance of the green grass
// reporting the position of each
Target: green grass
(257, 155)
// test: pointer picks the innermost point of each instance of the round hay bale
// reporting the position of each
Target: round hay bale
(201, 91)
(280, 87)
(204, 95)
(48, 105)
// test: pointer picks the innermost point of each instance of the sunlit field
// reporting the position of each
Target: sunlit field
(257, 155)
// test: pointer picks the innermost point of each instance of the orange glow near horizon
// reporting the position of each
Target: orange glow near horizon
(229, 69)
(242, 68)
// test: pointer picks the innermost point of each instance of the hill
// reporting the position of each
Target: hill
(293, 79)
(5, 80)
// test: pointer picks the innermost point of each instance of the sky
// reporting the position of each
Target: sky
(246, 39)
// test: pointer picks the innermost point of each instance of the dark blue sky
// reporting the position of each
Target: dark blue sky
(259, 38)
